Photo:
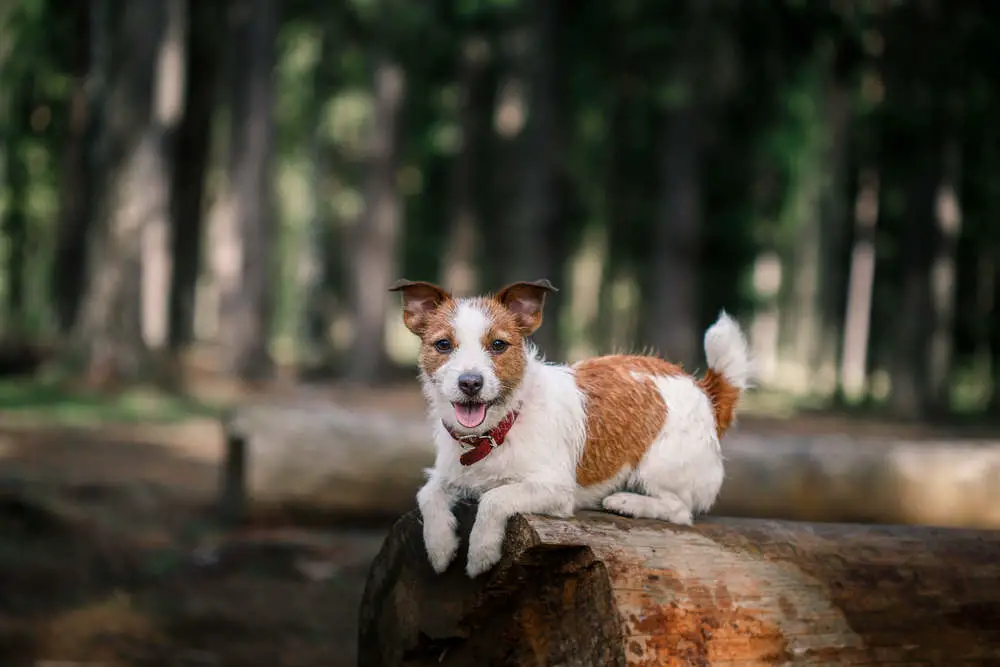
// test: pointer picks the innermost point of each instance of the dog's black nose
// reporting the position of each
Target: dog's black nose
(470, 383)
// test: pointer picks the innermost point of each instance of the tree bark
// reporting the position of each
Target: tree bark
(835, 223)
(603, 590)
(671, 323)
(530, 120)
(190, 166)
(944, 277)
(912, 76)
(857, 318)
(248, 215)
(75, 197)
(318, 265)
(132, 190)
(910, 366)
(460, 276)
(377, 235)
(168, 104)
(14, 226)
(994, 337)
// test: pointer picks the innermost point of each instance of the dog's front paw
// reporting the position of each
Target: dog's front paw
(485, 549)
(441, 542)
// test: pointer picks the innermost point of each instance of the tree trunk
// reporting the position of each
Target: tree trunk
(835, 223)
(75, 196)
(248, 215)
(857, 318)
(168, 105)
(912, 74)
(190, 166)
(377, 235)
(943, 276)
(765, 331)
(14, 225)
(993, 331)
(530, 246)
(910, 367)
(671, 322)
(316, 270)
(603, 590)
(132, 190)
(460, 276)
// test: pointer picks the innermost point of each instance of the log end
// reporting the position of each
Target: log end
(542, 604)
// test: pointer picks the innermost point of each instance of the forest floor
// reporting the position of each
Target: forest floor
(110, 553)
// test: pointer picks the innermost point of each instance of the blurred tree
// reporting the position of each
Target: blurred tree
(375, 240)
(191, 165)
(474, 52)
(919, 92)
(529, 118)
(670, 316)
(19, 105)
(79, 167)
(315, 265)
(821, 167)
(133, 186)
(247, 223)
(168, 107)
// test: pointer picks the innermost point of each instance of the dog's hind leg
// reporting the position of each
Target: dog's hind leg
(665, 506)
(681, 473)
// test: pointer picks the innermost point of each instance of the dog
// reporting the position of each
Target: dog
(632, 434)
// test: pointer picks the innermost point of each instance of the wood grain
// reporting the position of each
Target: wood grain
(603, 590)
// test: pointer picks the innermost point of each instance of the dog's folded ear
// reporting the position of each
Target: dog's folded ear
(526, 300)
(419, 300)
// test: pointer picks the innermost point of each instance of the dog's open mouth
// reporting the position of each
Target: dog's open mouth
(470, 415)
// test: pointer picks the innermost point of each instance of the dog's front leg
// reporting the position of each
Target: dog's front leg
(440, 537)
(499, 504)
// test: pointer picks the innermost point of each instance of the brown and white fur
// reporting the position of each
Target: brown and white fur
(635, 435)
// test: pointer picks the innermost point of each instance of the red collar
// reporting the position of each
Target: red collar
(479, 446)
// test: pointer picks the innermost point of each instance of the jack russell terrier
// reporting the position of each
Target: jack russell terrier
(633, 434)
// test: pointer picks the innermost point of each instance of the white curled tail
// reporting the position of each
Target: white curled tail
(730, 369)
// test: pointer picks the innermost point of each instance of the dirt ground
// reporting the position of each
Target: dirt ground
(110, 553)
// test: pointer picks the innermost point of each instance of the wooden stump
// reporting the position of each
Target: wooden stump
(600, 590)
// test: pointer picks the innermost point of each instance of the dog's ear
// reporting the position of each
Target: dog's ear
(526, 300)
(420, 299)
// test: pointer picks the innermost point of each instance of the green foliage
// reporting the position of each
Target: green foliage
(48, 401)
(766, 76)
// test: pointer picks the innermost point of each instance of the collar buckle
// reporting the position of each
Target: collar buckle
(472, 441)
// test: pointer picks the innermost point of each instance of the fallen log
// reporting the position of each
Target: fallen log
(323, 458)
(601, 590)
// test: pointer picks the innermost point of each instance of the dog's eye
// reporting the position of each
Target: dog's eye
(498, 346)
(443, 345)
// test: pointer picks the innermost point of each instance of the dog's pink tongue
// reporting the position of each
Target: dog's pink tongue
(470, 415)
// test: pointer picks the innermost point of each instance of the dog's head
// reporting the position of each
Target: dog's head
(473, 351)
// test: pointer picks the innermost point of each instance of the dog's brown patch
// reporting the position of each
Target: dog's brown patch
(724, 396)
(437, 325)
(624, 414)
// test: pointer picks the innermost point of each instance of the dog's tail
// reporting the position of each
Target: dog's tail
(730, 369)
